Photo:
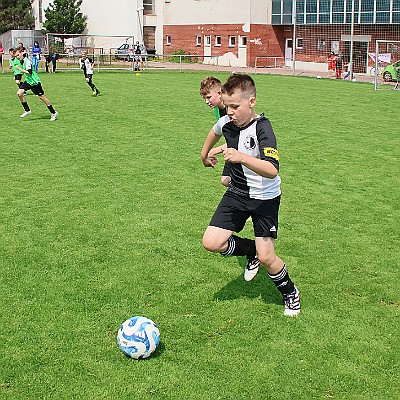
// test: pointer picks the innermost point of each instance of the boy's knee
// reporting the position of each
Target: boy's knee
(212, 245)
(267, 259)
(225, 180)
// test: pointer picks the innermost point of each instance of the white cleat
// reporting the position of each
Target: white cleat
(24, 114)
(252, 267)
(54, 116)
(292, 303)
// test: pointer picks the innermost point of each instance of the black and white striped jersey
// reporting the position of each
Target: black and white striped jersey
(258, 140)
(86, 65)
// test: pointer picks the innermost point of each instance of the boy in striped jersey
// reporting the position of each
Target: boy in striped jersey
(254, 190)
(86, 64)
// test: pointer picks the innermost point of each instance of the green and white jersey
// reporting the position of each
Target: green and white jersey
(13, 63)
(33, 78)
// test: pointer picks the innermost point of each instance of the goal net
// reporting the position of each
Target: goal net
(107, 51)
(386, 64)
(349, 28)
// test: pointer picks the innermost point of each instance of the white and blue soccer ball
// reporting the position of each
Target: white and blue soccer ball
(138, 337)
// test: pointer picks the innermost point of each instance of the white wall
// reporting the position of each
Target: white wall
(105, 17)
(190, 12)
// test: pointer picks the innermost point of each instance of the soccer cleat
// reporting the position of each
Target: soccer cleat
(292, 303)
(253, 264)
(97, 92)
(24, 114)
(54, 116)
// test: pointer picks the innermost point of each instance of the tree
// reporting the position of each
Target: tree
(16, 14)
(63, 16)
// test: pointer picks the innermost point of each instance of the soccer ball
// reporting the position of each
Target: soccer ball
(318, 76)
(138, 337)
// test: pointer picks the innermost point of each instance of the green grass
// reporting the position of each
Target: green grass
(101, 218)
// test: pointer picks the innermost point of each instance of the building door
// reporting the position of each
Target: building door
(149, 37)
(207, 49)
(288, 52)
(242, 51)
(360, 56)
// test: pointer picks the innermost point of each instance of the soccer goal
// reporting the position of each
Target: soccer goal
(108, 52)
(385, 67)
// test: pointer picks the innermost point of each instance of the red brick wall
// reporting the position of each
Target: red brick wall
(267, 40)
(262, 40)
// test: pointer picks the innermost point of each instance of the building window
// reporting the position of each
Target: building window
(299, 43)
(217, 40)
(232, 41)
(243, 41)
(167, 40)
(321, 44)
(335, 12)
(207, 41)
(198, 40)
(148, 7)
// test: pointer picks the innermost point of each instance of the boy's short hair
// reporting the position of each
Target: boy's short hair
(241, 82)
(209, 83)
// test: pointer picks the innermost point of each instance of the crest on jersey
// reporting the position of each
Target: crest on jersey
(249, 142)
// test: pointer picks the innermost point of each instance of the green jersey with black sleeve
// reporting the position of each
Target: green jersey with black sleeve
(33, 77)
(13, 63)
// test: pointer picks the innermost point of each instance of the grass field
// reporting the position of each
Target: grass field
(101, 218)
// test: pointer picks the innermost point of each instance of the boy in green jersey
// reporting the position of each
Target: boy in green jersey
(32, 82)
(14, 61)
(210, 91)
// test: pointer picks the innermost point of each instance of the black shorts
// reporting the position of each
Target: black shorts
(234, 210)
(18, 77)
(36, 89)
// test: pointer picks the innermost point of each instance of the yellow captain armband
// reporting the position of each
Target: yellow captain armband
(271, 152)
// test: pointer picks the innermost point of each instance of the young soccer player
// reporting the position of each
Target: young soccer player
(210, 90)
(14, 61)
(254, 189)
(32, 82)
(87, 64)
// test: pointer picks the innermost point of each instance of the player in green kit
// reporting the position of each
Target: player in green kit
(14, 61)
(32, 82)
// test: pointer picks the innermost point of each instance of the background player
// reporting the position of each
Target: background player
(14, 61)
(32, 82)
(254, 189)
(86, 64)
(210, 90)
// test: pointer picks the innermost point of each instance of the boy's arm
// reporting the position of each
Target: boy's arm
(23, 70)
(211, 140)
(217, 150)
(260, 167)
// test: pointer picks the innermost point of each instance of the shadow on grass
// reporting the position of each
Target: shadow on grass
(261, 285)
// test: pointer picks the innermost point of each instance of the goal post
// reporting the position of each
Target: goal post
(108, 51)
(386, 64)
(97, 44)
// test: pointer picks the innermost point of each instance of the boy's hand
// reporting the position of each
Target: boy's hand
(232, 155)
(210, 161)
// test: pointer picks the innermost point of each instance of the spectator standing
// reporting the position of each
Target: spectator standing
(36, 52)
(339, 66)
(1, 57)
(52, 58)
(331, 64)
(136, 60)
